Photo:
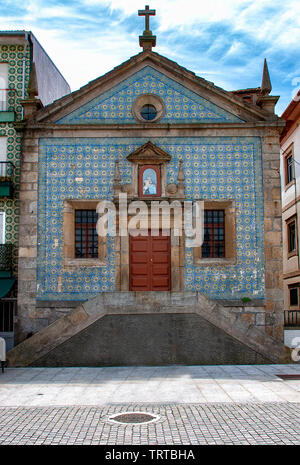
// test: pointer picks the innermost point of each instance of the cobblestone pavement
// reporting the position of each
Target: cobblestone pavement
(220, 423)
(196, 404)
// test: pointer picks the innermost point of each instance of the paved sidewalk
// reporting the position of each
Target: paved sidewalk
(183, 384)
(196, 405)
(270, 423)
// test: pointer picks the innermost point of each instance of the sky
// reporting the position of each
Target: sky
(223, 41)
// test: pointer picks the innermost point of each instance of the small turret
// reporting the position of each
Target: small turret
(31, 103)
(265, 101)
(266, 85)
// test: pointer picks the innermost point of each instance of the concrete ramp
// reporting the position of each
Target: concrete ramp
(149, 328)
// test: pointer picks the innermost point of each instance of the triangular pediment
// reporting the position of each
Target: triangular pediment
(149, 153)
(186, 98)
(181, 104)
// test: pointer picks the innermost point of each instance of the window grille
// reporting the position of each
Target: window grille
(86, 237)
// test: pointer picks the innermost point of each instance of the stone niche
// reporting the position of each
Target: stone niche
(149, 155)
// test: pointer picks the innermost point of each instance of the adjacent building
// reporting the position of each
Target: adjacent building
(24, 66)
(290, 175)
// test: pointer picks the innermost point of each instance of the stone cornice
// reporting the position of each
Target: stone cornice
(33, 125)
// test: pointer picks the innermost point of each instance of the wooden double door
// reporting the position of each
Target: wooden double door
(150, 263)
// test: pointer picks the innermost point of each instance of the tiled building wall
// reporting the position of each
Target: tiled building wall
(181, 104)
(13, 55)
(215, 168)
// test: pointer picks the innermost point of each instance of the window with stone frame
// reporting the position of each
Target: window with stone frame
(82, 246)
(292, 236)
(219, 243)
(289, 170)
(294, 295)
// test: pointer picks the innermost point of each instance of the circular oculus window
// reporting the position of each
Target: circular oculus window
(148, 108)
(148, 112)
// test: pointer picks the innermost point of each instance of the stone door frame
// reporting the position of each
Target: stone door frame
(151, 274)
(177, 252)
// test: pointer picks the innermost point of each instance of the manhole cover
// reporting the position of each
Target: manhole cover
(289, 377)
(133, 418)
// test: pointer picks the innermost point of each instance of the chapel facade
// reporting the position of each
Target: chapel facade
(151, 131)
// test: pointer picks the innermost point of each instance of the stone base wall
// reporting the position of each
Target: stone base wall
(45, 313)
(254, 315)
(150, 340)
(150, 328)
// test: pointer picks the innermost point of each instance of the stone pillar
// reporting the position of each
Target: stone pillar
(26, 315)
(273, 234)
(68, 231)
(180, 178)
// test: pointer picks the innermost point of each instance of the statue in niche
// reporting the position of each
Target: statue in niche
(149, 182)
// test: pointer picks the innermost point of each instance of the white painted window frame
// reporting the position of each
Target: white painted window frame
(3, 86)
(3, 155)
(2, 223)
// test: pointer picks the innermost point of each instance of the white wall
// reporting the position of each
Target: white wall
(290, 337)
(289, 194)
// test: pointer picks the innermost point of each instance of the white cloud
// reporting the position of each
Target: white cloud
(178, 12)
(78, 62)
(235, 49)
(249, 16)
(80, 59)
(90, 44)
(280, 26)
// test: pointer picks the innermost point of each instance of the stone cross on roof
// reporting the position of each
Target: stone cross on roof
(147, 13)
(147, 40)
